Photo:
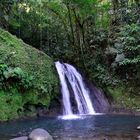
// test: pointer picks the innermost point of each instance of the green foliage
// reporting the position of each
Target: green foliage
(8, 39)
(14, 104)
(127, 44)
(125, 12)
(100, 37)
(17, 94)
(14, 76)
(123, 97)
(129, 39)
(5, 7)
(24, 81)
(24, 57)
(10, 104)
(103, 77)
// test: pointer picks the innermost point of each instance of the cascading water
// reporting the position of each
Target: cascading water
(69, 76)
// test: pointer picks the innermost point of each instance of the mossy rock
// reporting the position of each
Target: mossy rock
(15, 53)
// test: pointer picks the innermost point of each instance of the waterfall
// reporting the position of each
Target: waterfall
(70, 78)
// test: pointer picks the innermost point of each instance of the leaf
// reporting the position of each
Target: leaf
(119, 57)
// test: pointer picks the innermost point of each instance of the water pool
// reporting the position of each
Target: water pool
(87, 127)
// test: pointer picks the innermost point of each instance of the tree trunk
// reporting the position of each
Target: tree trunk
(71, 25)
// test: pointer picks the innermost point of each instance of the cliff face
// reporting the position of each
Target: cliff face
(14, 53)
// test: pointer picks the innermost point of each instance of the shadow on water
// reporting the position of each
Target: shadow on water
(87, 127)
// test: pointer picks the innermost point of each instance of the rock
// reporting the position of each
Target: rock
(21, 57)
(20, 138)
(138, 127)
(40, 134)
(138, 137)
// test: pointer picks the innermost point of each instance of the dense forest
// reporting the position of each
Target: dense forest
(100, 37)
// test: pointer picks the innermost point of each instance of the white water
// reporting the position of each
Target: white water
(64, 89)
(69, 75)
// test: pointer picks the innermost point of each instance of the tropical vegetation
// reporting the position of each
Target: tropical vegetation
(100, 37)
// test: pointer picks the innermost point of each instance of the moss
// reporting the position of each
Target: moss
(8, 39)
(10, 103)
(124, 98)
(36, 98)
(15, 53)
(29, 59)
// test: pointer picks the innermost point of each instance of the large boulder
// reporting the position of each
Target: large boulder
(16, 54)
(138, 127)
(138, 137)
(40, 134)
(20, 138)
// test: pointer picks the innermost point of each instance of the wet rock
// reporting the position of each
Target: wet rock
(138, 137)
(20, 138)
(40, 134)
(100, 101)
(105, 139)
(138, 127)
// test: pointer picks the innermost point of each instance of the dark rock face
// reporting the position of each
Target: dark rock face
(40, 134)
(100, 102)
